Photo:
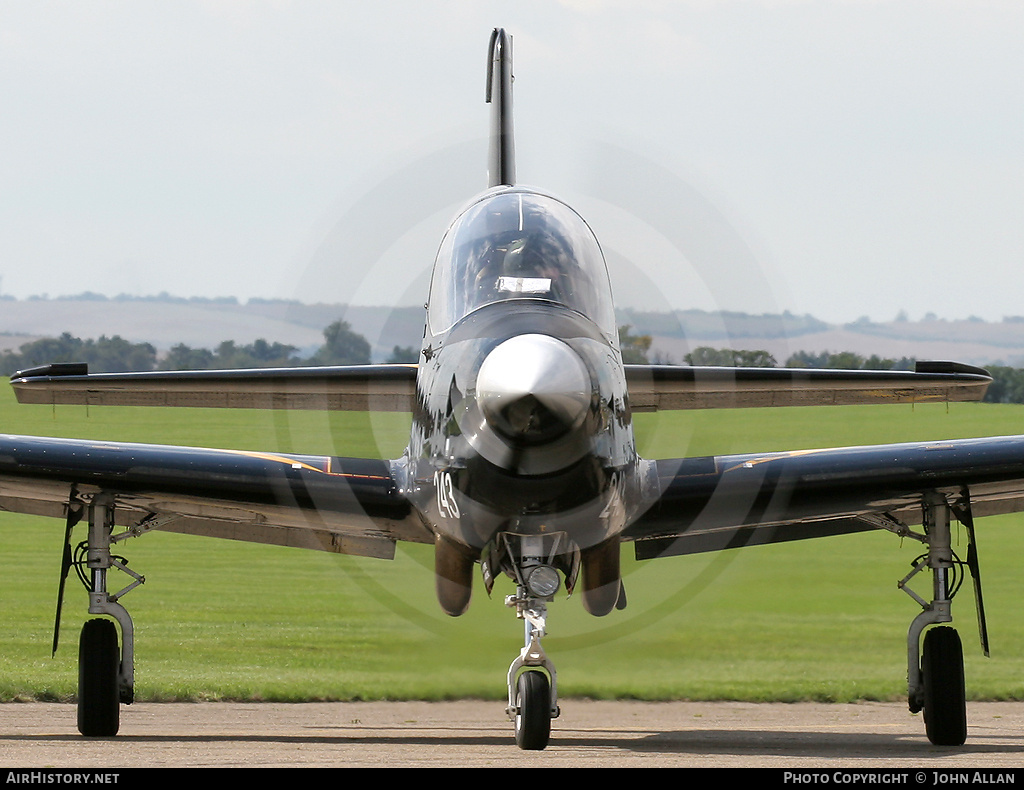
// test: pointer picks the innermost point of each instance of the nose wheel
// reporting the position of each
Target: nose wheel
(533, 710)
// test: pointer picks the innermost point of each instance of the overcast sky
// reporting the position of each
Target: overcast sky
(835, 158)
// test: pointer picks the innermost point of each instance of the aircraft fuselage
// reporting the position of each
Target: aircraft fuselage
(522, 424)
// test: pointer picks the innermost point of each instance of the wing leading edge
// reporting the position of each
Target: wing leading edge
(663, 387)
(712, 503)
(338, 388)
(393, 387)
(341, 505)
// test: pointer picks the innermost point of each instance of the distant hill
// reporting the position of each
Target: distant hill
(166, 321)
(204, 323)
(972, 341)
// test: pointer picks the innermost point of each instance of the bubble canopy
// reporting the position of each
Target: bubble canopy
(519, 244)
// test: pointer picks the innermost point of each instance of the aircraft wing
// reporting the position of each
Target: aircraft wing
(342, 505)
(348, 387)
(659, 387)
(393, 387)
(712, 503)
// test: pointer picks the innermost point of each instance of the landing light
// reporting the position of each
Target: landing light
(542, 581)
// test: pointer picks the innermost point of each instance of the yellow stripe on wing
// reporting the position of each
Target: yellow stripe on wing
(775, 457)
(295, 463)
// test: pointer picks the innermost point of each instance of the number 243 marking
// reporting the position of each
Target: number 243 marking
(446, 504)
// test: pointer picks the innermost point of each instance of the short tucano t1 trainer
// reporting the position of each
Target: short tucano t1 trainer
(521, 458)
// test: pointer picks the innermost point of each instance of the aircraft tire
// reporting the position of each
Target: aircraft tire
(942, 669)
(533, 717)
(98, 663)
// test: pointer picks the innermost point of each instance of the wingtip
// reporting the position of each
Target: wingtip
(54, 369)
(942, 366)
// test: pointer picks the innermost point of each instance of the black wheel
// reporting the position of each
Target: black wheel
(533, 719)
(945, 704)
(98, 662)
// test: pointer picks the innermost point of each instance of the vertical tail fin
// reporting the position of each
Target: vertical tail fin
(502, 160)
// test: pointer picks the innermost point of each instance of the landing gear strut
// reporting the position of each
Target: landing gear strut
(532, 683)
(534, 562)
(106, 676)
(936, 680)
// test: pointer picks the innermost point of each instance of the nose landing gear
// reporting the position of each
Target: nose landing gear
(532, 681)
(534, 563)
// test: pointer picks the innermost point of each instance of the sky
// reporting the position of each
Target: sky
(842, 159)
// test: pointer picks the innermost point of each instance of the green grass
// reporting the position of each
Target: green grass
(818, 620)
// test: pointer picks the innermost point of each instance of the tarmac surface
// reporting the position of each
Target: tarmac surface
(477, 734)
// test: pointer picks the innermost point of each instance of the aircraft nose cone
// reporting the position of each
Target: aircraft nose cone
(533, 388)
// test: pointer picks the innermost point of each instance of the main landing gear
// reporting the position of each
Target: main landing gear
(106, 676)
(935, 672)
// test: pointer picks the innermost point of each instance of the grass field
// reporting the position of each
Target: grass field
(819, 620)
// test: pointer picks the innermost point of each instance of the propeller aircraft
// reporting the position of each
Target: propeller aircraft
(521, 458)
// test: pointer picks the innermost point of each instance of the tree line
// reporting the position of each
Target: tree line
(845, 360)
(341, 346)
(1007, 382)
